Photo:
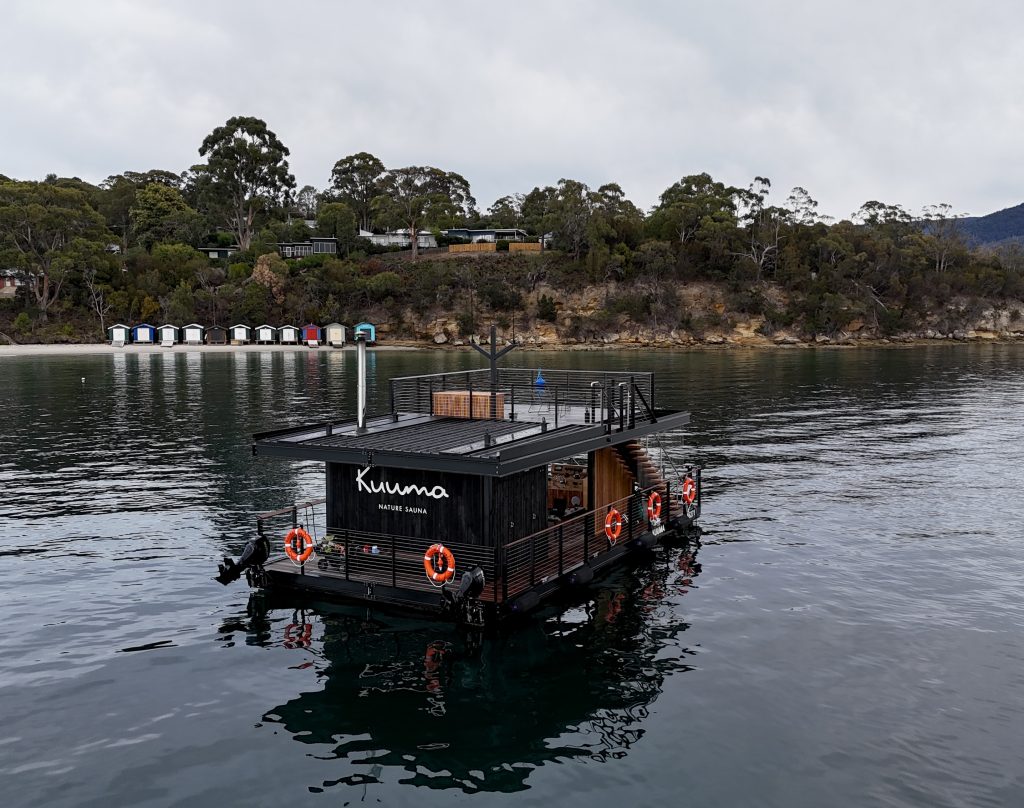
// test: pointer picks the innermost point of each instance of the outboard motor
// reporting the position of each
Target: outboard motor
(255, 553)
(464, 601)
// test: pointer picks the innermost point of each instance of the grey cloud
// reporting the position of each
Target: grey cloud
(914, 103)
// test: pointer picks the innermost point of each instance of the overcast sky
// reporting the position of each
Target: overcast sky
(904, 102)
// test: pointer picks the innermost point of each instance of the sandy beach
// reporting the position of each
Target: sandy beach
(103, 348)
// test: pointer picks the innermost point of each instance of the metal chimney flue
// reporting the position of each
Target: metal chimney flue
(361, 382)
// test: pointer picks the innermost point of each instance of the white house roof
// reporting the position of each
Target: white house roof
(194, 325)
(168, 325)
(241, 325)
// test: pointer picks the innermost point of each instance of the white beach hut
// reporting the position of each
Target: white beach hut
(240, 334)
(119, 335)
(288, 335)
(192, 334)
(266, 334)
(168, 335)
(334, 335)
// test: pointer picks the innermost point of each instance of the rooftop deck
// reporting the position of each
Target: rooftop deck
(473, 423)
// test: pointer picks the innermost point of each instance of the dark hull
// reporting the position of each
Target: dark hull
(280, 578)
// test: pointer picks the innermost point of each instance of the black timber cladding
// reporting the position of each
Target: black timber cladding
(436, 506)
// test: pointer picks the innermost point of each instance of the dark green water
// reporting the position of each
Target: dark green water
(851, 631)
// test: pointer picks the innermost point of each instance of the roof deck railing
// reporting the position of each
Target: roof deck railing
(617, 399)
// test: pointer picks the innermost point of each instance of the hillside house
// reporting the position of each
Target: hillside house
(489, 234)
(317, 245)
(400, 238)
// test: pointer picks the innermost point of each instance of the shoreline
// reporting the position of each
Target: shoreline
(86, 349)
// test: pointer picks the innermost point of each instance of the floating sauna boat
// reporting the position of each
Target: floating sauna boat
(479, 494)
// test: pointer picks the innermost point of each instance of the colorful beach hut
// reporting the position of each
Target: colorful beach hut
(216, 335)
(266, 334)
(240, 334)
(311, 335)
(144, 334)
(369, 332)
(192, 334)
(288, 335)
(334, 335)
(168, 335)
(119, 335)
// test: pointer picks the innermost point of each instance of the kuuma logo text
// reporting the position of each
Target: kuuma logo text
(377, 487)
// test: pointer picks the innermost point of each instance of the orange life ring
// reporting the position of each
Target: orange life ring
(447, 569)
(298, 544)
(613, 525)
(654, 506)
(689, 490)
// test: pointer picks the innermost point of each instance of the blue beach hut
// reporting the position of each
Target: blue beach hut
(369, 332)
(144, 334)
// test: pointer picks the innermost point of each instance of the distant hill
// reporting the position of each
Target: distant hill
(1002, 226)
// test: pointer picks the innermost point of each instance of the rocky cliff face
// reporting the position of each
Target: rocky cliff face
(702, 318)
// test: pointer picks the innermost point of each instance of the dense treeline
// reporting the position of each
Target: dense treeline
(126, 250)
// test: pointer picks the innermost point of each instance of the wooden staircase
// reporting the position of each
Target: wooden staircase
(640, 465)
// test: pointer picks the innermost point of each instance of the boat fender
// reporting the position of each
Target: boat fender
(526, 602)
(646, 541)
(581, 576)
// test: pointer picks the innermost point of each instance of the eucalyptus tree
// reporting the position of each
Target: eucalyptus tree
(247, 169)
(571, 209)
(118, 195)
(358, 180)
(160, 213)
(506, 211)
(49, 232)
(306, 202)
(420, 196)
(337, 220)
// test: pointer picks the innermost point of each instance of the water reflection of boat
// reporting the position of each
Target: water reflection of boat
(451, 708)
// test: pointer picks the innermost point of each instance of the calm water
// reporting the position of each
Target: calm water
(851, 631)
